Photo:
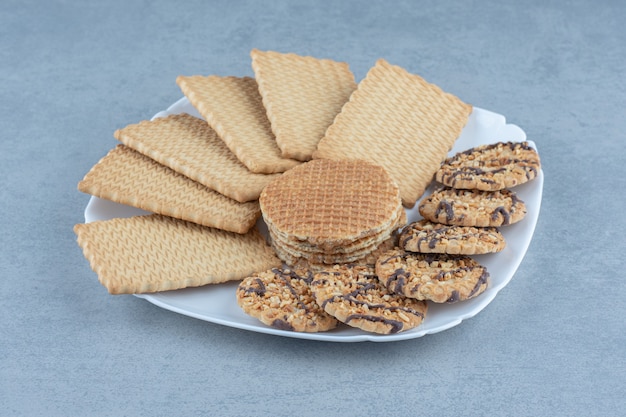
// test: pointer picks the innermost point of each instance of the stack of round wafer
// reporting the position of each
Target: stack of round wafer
(331, 212)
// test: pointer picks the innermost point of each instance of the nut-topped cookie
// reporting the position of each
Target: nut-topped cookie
(473, 208)
(282, 298)
(439, 278)
(425, 236)
(490, 167)
(355, 296)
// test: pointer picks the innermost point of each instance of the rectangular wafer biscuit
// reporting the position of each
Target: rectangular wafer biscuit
(153, 253)
(400, 121)
(189, 146)
(233, 107)
(302, 96)
(131, 178)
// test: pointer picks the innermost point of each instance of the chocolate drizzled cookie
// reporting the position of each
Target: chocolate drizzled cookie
(427, 237)
(282, 298)
(490, 167)
(439, 278)
(473, 208)
(355, 296)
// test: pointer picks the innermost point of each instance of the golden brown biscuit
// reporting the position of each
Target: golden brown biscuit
(128, 177)
(350, 253)
(400, 121)
(368, 260)
(144, 254)
(331, 203)
(233, 107)
(302, 96)
(189, 146)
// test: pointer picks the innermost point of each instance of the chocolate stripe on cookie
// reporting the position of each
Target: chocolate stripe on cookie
(473, 208)
(355, 296)
(362, 291)
(282, 298)
(428, 237)
(440, 278)
(490, 167)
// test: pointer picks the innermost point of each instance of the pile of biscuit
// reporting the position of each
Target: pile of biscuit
(331, 212)
(430, 261)
(462, 217)
(330, 165)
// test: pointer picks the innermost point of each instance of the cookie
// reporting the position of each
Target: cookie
(490, 167)
(355, 296)
(233, 107)
(346, 248)
(302, 95)
(331, 203)
(189, 146)
(425, 236)
(298, 262)
(473, 208)
(287, 253)
(128, 177)
(400, 121)
(151, 253)
(282, 298)
(439, 278)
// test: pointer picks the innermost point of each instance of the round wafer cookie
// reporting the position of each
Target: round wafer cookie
(473, 208)
(368, 260)
(331, 203)
(339, 254)
(439, 278)
(490, 167)
(425, 236)
(355, 296)
(281, 298)
(320, 257)
(297, 262)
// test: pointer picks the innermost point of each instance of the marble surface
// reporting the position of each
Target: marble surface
(551, 343)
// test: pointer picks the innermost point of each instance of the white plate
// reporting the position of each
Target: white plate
(216, 303)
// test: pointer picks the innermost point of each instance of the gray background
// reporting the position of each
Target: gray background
(552, 342)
